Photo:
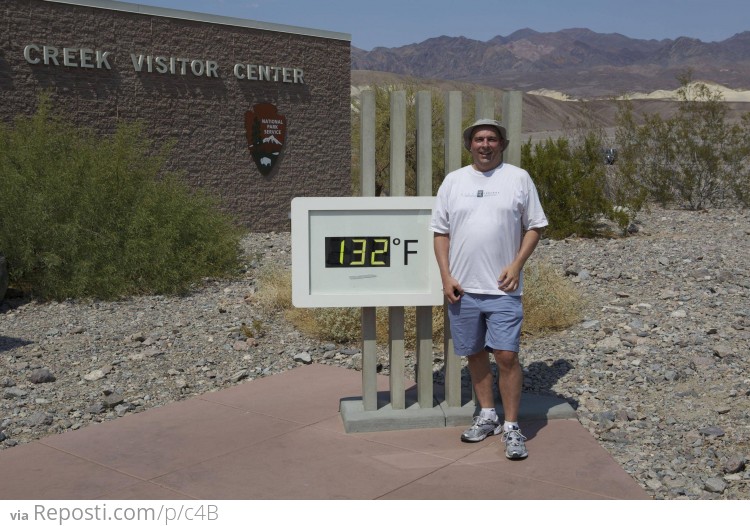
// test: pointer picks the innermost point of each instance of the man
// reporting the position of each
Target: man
(486, 222)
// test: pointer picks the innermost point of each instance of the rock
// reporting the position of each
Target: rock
(112, 400)
(712, 431)
(734, 464)
(700, 273)
(242, 346)
(722, 350)
(96, 408)
(355, 362)
(121, 409)
(675, 483)
(39, 418)
(94, 375)
(702, 362)
(303, 357)
(715, 485)
(593, 325)
(239, 376)
(41, 376)
(609, 344)
(14, 392)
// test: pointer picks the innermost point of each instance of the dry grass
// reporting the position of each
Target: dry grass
(550, 303)
(275, 289)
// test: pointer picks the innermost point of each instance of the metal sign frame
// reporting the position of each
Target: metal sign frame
(411, 277)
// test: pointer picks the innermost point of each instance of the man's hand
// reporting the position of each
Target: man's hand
(452, 290)
(509, 278)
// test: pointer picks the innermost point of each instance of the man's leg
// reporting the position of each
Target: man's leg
(487, 422)
(468, 329)
(509, 382)
(481, 378)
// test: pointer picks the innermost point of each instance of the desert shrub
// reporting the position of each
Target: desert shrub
(571, 182)
(695, 159)
(89, 216)
(550, 303)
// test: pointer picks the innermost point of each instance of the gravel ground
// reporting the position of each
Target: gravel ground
(657, 370)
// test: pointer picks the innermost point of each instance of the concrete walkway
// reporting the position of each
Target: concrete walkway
(282, 437)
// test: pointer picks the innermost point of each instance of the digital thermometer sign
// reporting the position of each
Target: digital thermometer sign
(363, 252)
(358, 251)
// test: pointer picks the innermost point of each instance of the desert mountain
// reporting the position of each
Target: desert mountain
(577, 62)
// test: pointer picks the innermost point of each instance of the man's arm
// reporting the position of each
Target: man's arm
(451, 288)
(510, 277)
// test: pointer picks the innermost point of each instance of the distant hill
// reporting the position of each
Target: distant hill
(549, 116)
(577, 62)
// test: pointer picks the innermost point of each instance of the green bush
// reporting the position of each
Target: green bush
(697, 158)
(84, 216)
(571, 184)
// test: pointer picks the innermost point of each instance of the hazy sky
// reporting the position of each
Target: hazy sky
(393, 23)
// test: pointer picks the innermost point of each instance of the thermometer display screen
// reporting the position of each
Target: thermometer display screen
(362, 251)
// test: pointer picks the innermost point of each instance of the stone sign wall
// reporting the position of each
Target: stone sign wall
(191, 79)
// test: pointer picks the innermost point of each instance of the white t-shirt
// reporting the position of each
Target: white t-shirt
(485, 215)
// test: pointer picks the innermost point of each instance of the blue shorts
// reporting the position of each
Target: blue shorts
(480, 321)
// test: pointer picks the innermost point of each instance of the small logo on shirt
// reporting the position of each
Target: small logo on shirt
(480, 193)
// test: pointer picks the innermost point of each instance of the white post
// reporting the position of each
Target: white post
(453, 147)
(396, 348)
(512, 110)
(425, 396)
(485, 105)
(367, 174)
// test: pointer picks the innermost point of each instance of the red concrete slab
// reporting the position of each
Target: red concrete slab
(470, 482)
(443, 442)
(158, 441)
(281, 437)
(144, 491)
(36, 471)
(311, 464)
(562, 452)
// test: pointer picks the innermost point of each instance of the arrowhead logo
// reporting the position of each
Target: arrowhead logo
(265, 129)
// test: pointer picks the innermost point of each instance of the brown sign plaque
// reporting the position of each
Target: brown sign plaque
(266, 134)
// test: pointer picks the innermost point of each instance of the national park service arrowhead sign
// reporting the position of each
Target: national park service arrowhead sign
(266, 134)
